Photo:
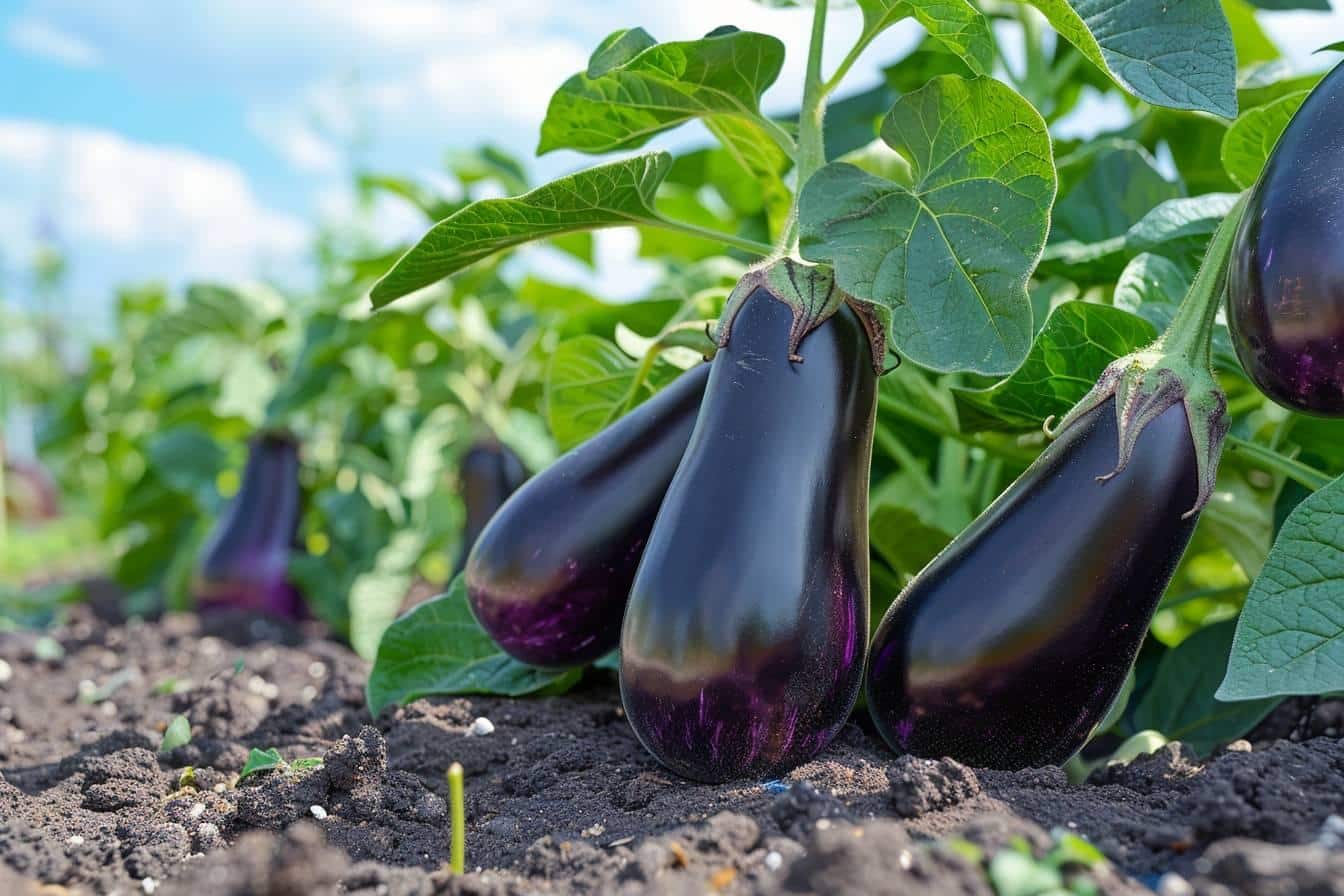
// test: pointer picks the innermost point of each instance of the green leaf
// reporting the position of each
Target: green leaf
(1290, 637)
(956, 24)
(1181, 704)
(590, 382)
(1016, 874)
(903, 539)
(611, 195)
(1292, 4)
(177, 734)
(261, 761)
(438, 648)
(1119, 186)
(1252, 44)
(376, 596)
(633, 90)
(949, 257)
(307, 763)
(1077, 342)
(1250, 140)
(1178, 55)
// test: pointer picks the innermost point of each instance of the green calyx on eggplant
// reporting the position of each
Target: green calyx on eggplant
(549, 574)
(488, 474)
(1285, 305)
(245, 564)
(743, 646)
(1008, 649)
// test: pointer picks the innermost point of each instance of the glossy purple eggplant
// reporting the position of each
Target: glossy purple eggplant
(489, 473)
(1286, 283)
(1010, 646)
(743, 646)
(549, 576)
(245, 564)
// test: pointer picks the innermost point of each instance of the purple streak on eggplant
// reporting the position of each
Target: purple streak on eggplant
(1286, 283)
(245, 564)
(550, 574)
(490, 472)
(1008, 648)
(743, 646)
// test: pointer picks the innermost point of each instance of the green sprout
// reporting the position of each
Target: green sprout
(458, 854)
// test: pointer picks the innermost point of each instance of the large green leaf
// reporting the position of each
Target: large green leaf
(590, 382)
(955, 24)
(1250, 140)
(949, 257)
(1180, 702)
(1290, 637)
(1178, 55)
(635, 88)
(611, 195)
(439, 648)
(1077, 342)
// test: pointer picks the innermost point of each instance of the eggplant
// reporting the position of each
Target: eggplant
(549, 575)
(489, 472)
(245, 564)
(743, 646)
(1286, 284)
(30, 493)
(1010, 646)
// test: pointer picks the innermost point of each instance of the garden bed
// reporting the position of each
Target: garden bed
(560, 796)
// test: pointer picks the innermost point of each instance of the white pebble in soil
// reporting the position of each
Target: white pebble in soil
(197, 810)
(6, 672)
(207, 830)
(481, 727)
(1172, 884)
(318, 812)
(75, 840)
(773, 860)
(149, 885)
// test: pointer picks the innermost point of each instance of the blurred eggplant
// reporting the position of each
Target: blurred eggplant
(1008, 649)
(549, 576)
(30, 493)
(489, 473)
(245, 564)
(1285, 303)
(743, 645)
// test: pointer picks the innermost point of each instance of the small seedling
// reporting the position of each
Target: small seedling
(457, 856)
(177, 734)
(270, 759)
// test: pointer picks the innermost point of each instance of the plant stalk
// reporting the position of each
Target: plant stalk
(811, 140)
(1274, 462)
(457, 860)
(729, 239)
(1190, 334)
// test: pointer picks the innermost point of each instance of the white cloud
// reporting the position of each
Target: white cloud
(39, 38)
(107, 194)
(296, 140)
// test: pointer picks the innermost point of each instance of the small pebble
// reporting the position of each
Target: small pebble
(773, 860)
(481, 727)
(309, 693)
(823, 824)
(316, 669)
(905, 859)
(149, 885)
(1172, 884)
(197, 810)
(75, 840)
(1332, 833)
(208, 830)
(6, 672)
(318, 812)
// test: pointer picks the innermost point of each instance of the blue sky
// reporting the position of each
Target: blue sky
(176, 140)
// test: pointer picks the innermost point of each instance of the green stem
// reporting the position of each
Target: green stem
(458, 852)
(1271, 460)
(885, 439)
(811, 141)
(1036, 75)
(833, 82)
(728, 239)
(1190, 334)
(931, 424)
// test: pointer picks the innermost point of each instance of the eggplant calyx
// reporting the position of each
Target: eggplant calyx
(1145, 385)
(811, 293)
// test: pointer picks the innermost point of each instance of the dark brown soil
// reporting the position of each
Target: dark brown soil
(560, 796)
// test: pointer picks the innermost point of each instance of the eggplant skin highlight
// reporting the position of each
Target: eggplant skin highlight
(743, 646)
(245, 564)
(489, 473)
(1008, 649)
(549, 576)
(1285, 303)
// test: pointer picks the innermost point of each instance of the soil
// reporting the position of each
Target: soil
(560, 796)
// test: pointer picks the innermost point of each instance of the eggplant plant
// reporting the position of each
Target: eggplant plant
(489, 472)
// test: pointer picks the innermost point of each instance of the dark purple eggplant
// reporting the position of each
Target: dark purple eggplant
(245, 565)
(743, 646)
(489, 473)
(1010, 646)
(1286, 285)
(549, 575)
